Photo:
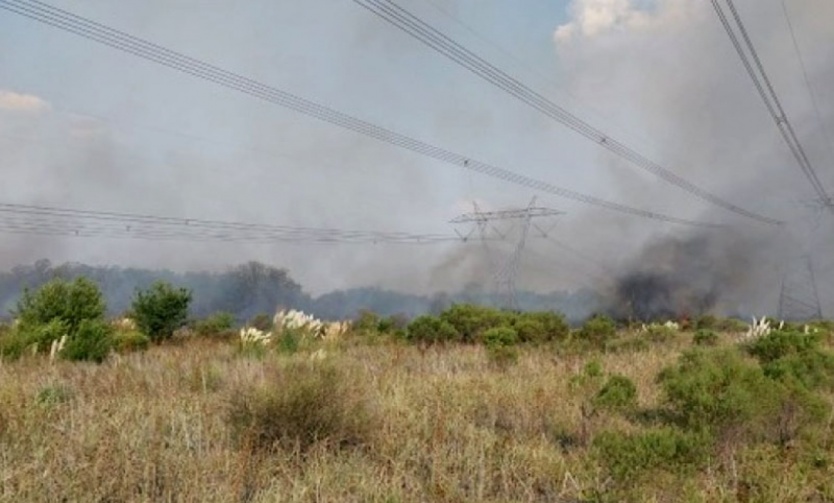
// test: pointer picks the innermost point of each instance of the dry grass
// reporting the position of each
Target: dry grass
(448, 426)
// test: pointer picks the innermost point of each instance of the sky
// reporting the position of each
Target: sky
(87, 127)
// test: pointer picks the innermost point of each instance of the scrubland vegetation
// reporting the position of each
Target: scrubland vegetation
(475, 404)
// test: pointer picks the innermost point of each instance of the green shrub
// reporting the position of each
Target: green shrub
(720, 392)
(126, 341)
(500, 344)
(716, 390)
(42, 335)
(13, 345)
(539, 327)
(431, 329)
(304, 405)
(161, 310)
(71, 303)
(471, 321)
(811, 368)
(91, 342)
(705, 337)
(780, 343)
(618, 393)
(628, 458)
(500, 337)
(598, 330)
(793, 355)
(216, 324)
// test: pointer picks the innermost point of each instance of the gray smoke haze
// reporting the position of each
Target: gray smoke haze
(660, 76)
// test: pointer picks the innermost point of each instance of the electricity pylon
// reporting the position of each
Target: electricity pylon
(799, 298)
(505, 273)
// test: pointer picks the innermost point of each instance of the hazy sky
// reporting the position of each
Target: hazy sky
(88, 127)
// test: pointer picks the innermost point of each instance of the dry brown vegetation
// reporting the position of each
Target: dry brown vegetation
(192, 422)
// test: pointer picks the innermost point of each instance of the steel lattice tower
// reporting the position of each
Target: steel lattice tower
(505, 273)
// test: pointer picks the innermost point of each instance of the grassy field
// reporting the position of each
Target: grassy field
(389, 422)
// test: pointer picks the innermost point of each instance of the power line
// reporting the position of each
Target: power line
(97, 32)
(30, 219)
(769, 96)
(444, 45)
(823, 124)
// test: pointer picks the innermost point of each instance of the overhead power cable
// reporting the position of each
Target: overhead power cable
(826, 133)
(443, 44)
(768, 94)
(100, 33)
(19, 218)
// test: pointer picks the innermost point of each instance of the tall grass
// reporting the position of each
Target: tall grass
(388, 422)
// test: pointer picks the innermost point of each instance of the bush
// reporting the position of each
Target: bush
(130, 340)
(716, 390)
(500, 343)
(619, 393)
(705, 337)
(812, 369)
(791, 355)
(539, 327)
(161, 310)
(431, 329)
(14, 344)
(778, 344)
(303, 406)
(629, 457)
(500, 337)
(91, 342)
(216, 324)
(598, 330)
(471, 321)
(42, 335)
(71, 303)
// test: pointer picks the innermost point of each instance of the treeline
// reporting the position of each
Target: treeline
(254, 288)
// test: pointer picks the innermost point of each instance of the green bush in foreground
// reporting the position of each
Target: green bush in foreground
(431, 330)
(598, 330)
(130, 340)
(719, 392)
(161, 310)
(71, 303)
(618, 393)
(540, 327)
(471, 321)
(91, 342)
(500, 343)
(628, 457)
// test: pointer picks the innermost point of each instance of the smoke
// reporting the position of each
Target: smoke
(666, 69)
(659, 75)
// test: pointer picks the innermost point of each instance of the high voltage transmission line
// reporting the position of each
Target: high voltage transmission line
(103, 34)
(826, 133)
(443, 44)
(769, 96)
(29, 219)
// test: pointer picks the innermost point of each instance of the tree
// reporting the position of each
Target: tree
(64, 301)
(161, 310)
